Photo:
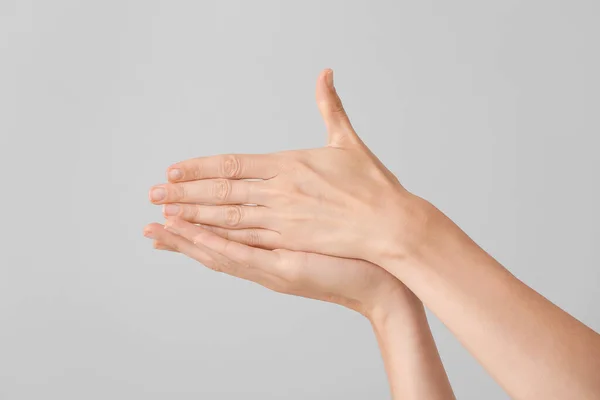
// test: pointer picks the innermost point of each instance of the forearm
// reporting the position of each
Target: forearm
(530, 346)
(410, 356)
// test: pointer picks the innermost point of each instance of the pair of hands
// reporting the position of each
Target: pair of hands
(314, 223)
(334, 224)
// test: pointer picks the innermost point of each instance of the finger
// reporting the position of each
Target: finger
(161, 246)
(229, 166)
(250, 256)
(332, 110)
(166, 240)
(212, 191)
(261, 238)
(263, 274)
(173, 242)
(230, 216)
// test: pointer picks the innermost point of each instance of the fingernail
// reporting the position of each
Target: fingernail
(148, 234)
(329, 78)
(158, 194)
(175, 174)
(171, 210)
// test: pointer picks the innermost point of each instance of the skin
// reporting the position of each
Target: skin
(341, 201)
(398, 319)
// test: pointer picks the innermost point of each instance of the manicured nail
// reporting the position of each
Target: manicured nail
(175, 174)
(158, 194)
(171, 210)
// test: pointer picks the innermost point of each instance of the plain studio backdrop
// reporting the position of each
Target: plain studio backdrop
(487, 109)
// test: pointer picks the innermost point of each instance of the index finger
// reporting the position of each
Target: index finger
(265, 260)
(229, 166)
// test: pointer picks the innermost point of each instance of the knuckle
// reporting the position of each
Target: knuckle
(175, 245)
(253, 238)
(178, 192)
(293, 276)
(290, 273)
(299, 170)
(337, 107)
(286, 198)
(222, 189)
(224, 233)
(185, 212)
(232, 166)
(196, 173)
(226, 247)
(233, 215)
(279, 193)
(193, 213)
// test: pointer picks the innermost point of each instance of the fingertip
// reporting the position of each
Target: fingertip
(326, 73)
(148, 233)
(157, 194)
(171, 210)
(174, 173)
(150, 230)
(328, 76)
(324, 83)
(179, 226)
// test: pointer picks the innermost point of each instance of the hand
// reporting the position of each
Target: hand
(338, 200)
(355, 284)
(397, 316)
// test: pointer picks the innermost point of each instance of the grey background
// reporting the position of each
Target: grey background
(488, 109)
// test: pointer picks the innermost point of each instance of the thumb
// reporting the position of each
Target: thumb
(336, 120)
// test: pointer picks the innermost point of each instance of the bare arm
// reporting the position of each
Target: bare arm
(410, 356)
(411, 360)
(340, 200)
(530, 346)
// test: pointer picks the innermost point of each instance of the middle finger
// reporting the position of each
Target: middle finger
(209, 191)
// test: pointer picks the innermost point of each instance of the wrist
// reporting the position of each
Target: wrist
(436, 246)
(399, 302)
(410, 224)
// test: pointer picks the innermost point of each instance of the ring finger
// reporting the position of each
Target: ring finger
(230, 216)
